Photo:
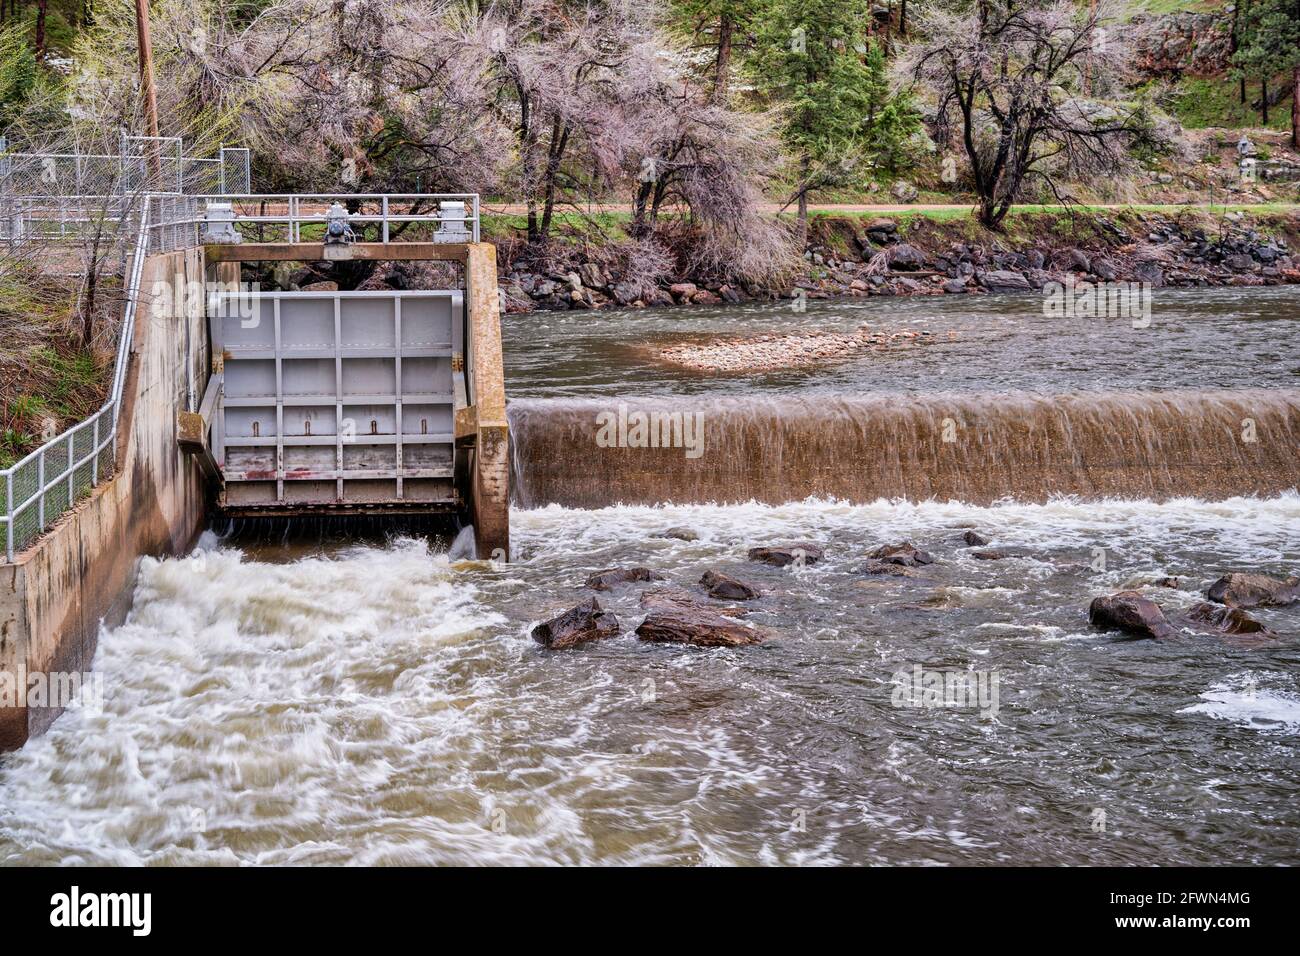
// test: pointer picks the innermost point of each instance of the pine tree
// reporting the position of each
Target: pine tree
(810, 60)
(1270, 44)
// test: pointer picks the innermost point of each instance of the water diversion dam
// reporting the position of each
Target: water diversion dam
(353, 698)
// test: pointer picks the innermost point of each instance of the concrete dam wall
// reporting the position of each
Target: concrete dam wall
(1213, 444)
(56, 594)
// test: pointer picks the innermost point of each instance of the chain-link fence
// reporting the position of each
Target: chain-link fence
(142, 164)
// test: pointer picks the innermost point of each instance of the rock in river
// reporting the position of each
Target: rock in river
(1131, 612)
(578, 625)
(673, 599)
(679, 533)
(798, 553)
(1254, 590)
(975, 539)
(1227, 620)
(726, 588)
(683, 622)
(607, 579)
(903, 553)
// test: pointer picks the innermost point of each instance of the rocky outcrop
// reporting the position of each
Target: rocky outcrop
(784, 555)
(578, 625)
(726, 588)
(1130, 612)
(1254, 590)
(1195, 43)
(612, 577)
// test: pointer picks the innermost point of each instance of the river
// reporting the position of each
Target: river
(381, 701)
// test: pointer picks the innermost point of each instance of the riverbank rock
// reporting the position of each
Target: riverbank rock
(679, 534)
(904, 553)
(798, 553)
(1226, 620)
(1254, 590)
(689, 623)
(1130, 612)
(907, 258)
(1003, 280)
(578, 625)
(726, 588)
(612, 577)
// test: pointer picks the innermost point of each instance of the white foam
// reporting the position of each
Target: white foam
(1243, 702)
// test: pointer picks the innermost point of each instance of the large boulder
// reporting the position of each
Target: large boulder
(904, 192)
(1003, 280)
(578, 625)
(672, 599)
(684, 622)
(1254, 590)
(904, 553)
(1226, 620)
(905, 257)
(798, 553)
(1130, 612)
(726, 588)
(611, 577)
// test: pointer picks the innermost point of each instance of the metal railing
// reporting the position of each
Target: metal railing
(42, 486)
(268, 217)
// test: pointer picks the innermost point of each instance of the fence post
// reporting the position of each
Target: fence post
(72, 467)
(9, 523)
(40, 483)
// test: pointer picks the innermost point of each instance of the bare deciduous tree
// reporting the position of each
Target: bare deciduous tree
(1009, 72)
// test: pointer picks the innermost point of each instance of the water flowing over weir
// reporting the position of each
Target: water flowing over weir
(973, 447)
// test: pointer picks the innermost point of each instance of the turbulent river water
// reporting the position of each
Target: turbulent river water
(381, 701)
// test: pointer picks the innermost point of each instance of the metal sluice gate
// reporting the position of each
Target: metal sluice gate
(344, 400)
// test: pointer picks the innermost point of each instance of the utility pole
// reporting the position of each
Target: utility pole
(147, 90)
(1087, 62)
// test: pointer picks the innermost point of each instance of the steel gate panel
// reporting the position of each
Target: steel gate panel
(342, 398)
